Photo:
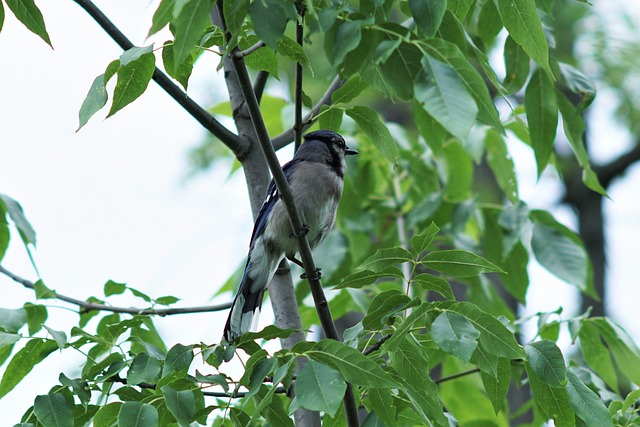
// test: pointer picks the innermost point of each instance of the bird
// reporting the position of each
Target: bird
(315, 175)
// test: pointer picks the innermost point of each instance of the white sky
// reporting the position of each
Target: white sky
(110, 202)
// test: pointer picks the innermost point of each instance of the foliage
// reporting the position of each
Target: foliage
(423, 250)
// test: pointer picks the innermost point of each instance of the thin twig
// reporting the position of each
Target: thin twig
(297, 125)
(209, 122)
(288, 135)
(92, 306)
(236, 395)
(248, 51)
(456, 376)
(377, 345)
(260, 83)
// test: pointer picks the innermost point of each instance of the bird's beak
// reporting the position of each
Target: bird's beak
(350, 151)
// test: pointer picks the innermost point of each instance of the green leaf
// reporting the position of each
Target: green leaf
(167, 300)
(179, 358)
(133, 79)
(189, 26)
(561, 255)
(400, 69)
(349, 91)
(180, 72)
(263, 59)
(369, 122)
(347, 36)
(542, 116)
(12, 320)
(444, 97)
(586, 403)
(34, 352)
(428, 14)
(459, 263)
(80, 388)
(546, 360)
(59, 336)
(459, 8)
(553, 402)
(234, 14)
(455, 334)
(432, 132)
(320, 388)
(269, 18)
(451, 54)
(42, 292)
(497, 387)
(366, 278)
(621, 346)
(494, 336)
(144, 369)
(520, 18)
(268, 333)
(382, 404)
(8, 339)
(137, 414)
(384, 258)
(384, 306)
(501, 164)
(161, 16)
(28, 13)
(53, 410)
(107, 416)
(579, 84)
(516, 63)
(292, 50)
(1, 16)
(353, 365)
(97, 96)
(13, 208)
(181, 404)
(330, 118)
(36, 316)
(421, 241)
(459, 170)
(409, 361)
(429, 282)
(114, 288)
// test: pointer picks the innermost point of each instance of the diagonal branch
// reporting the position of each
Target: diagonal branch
(322, 306)
(288, 135)
(615, 168)
(209, 122)
(86, 306)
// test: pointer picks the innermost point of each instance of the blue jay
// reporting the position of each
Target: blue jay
(315, 175)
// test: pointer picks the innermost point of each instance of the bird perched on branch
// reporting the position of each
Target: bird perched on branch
(315, 175)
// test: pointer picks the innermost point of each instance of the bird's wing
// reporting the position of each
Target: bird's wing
(273, 195)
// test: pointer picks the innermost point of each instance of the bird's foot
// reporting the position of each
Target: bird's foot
(316, 276)
(303, 232)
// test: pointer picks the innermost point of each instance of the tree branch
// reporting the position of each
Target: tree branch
(236, 395)
(615, 168)
(322, 307)
(86, 306)
(259, 84)
(209, 122)
(248, 51)
(377, 345)
(287, 136)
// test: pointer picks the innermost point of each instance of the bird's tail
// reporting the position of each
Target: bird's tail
(245, 309)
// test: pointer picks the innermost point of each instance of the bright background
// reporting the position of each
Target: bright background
(113, 201)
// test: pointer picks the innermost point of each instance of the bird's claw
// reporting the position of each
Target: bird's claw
(303, 232)
(317, 275)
